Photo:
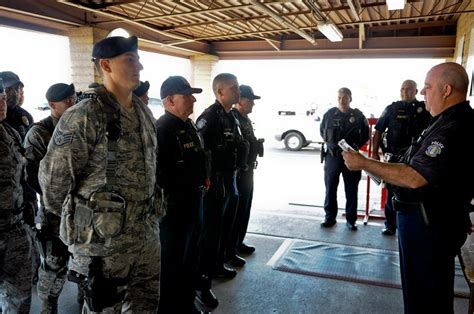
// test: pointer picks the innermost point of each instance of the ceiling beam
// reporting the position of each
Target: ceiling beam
(262, 8)
(354, 9)
(123, 19)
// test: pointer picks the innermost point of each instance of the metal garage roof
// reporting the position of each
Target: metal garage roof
(257, 29)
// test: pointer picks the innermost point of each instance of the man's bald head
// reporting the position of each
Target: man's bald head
(445, 86)
(453, 74)
(408, 91)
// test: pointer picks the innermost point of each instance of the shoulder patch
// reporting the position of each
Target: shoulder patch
(201, 124)
(61, 139)
(434, 149)
(25, 121)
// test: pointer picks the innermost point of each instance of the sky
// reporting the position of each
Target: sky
(43, 59)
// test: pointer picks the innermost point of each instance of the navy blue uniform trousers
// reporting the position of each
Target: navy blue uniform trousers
(427, 256)
(180, 229)
(333, 167)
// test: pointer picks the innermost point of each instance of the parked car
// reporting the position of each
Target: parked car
(298, 130)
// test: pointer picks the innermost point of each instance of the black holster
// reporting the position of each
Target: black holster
(100, 292)
(406, 207)
(323, 152)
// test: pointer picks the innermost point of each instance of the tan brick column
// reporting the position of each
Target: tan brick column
(201, 76)
(81, 41)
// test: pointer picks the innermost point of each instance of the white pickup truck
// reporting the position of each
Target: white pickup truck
(298, 130)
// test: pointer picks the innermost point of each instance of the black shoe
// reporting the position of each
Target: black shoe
(388, 231)
(225, 272)
(236, 261)
(352, 227)
(328, 223)
(246, 249)
(207, 298)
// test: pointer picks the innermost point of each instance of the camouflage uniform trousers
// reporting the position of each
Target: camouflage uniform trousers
(52, 275)
(140, 263)
(16, 273)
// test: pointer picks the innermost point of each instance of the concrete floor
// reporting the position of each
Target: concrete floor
(283, 178)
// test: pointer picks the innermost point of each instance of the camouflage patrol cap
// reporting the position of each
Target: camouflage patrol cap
(60, 91)
(113, 46)
(141, 89)
(10, 79)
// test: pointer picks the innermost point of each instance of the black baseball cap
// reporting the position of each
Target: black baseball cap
(141, 89)
(10, 79)
(113, 46)
(247, 92)
(60, 91)
(177, 85)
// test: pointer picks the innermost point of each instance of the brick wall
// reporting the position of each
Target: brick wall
(81, 41)
(464, 28)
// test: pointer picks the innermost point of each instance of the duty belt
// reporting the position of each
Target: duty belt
(134, 210)
(407, 207)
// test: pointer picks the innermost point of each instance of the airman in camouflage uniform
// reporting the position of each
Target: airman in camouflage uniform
(54, 254)
(15, 244)
(99, 175)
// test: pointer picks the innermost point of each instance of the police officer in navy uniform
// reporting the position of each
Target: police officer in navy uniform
(433, 191)
(54, 253)
(142, 91)
(244, 178)
(399, 125)
(17, 117)
(342, 122)
(183, 176)
(217, 129)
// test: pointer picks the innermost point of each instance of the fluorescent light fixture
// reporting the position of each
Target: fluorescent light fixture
(330, 31)
(396, 4)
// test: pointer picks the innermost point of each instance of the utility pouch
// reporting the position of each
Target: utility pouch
(67, 229)
(83, 223)
(108, 218)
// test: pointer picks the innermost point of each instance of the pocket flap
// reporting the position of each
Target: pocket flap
(83, 216)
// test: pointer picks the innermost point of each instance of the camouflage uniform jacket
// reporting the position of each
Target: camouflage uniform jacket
(35, 145)
(11, 177)
(76, 161)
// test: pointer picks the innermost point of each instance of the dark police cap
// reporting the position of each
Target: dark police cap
(60, 91)
(247, 92)
(177, 85)
(10, 79)
(113, 46)
(141, 89)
